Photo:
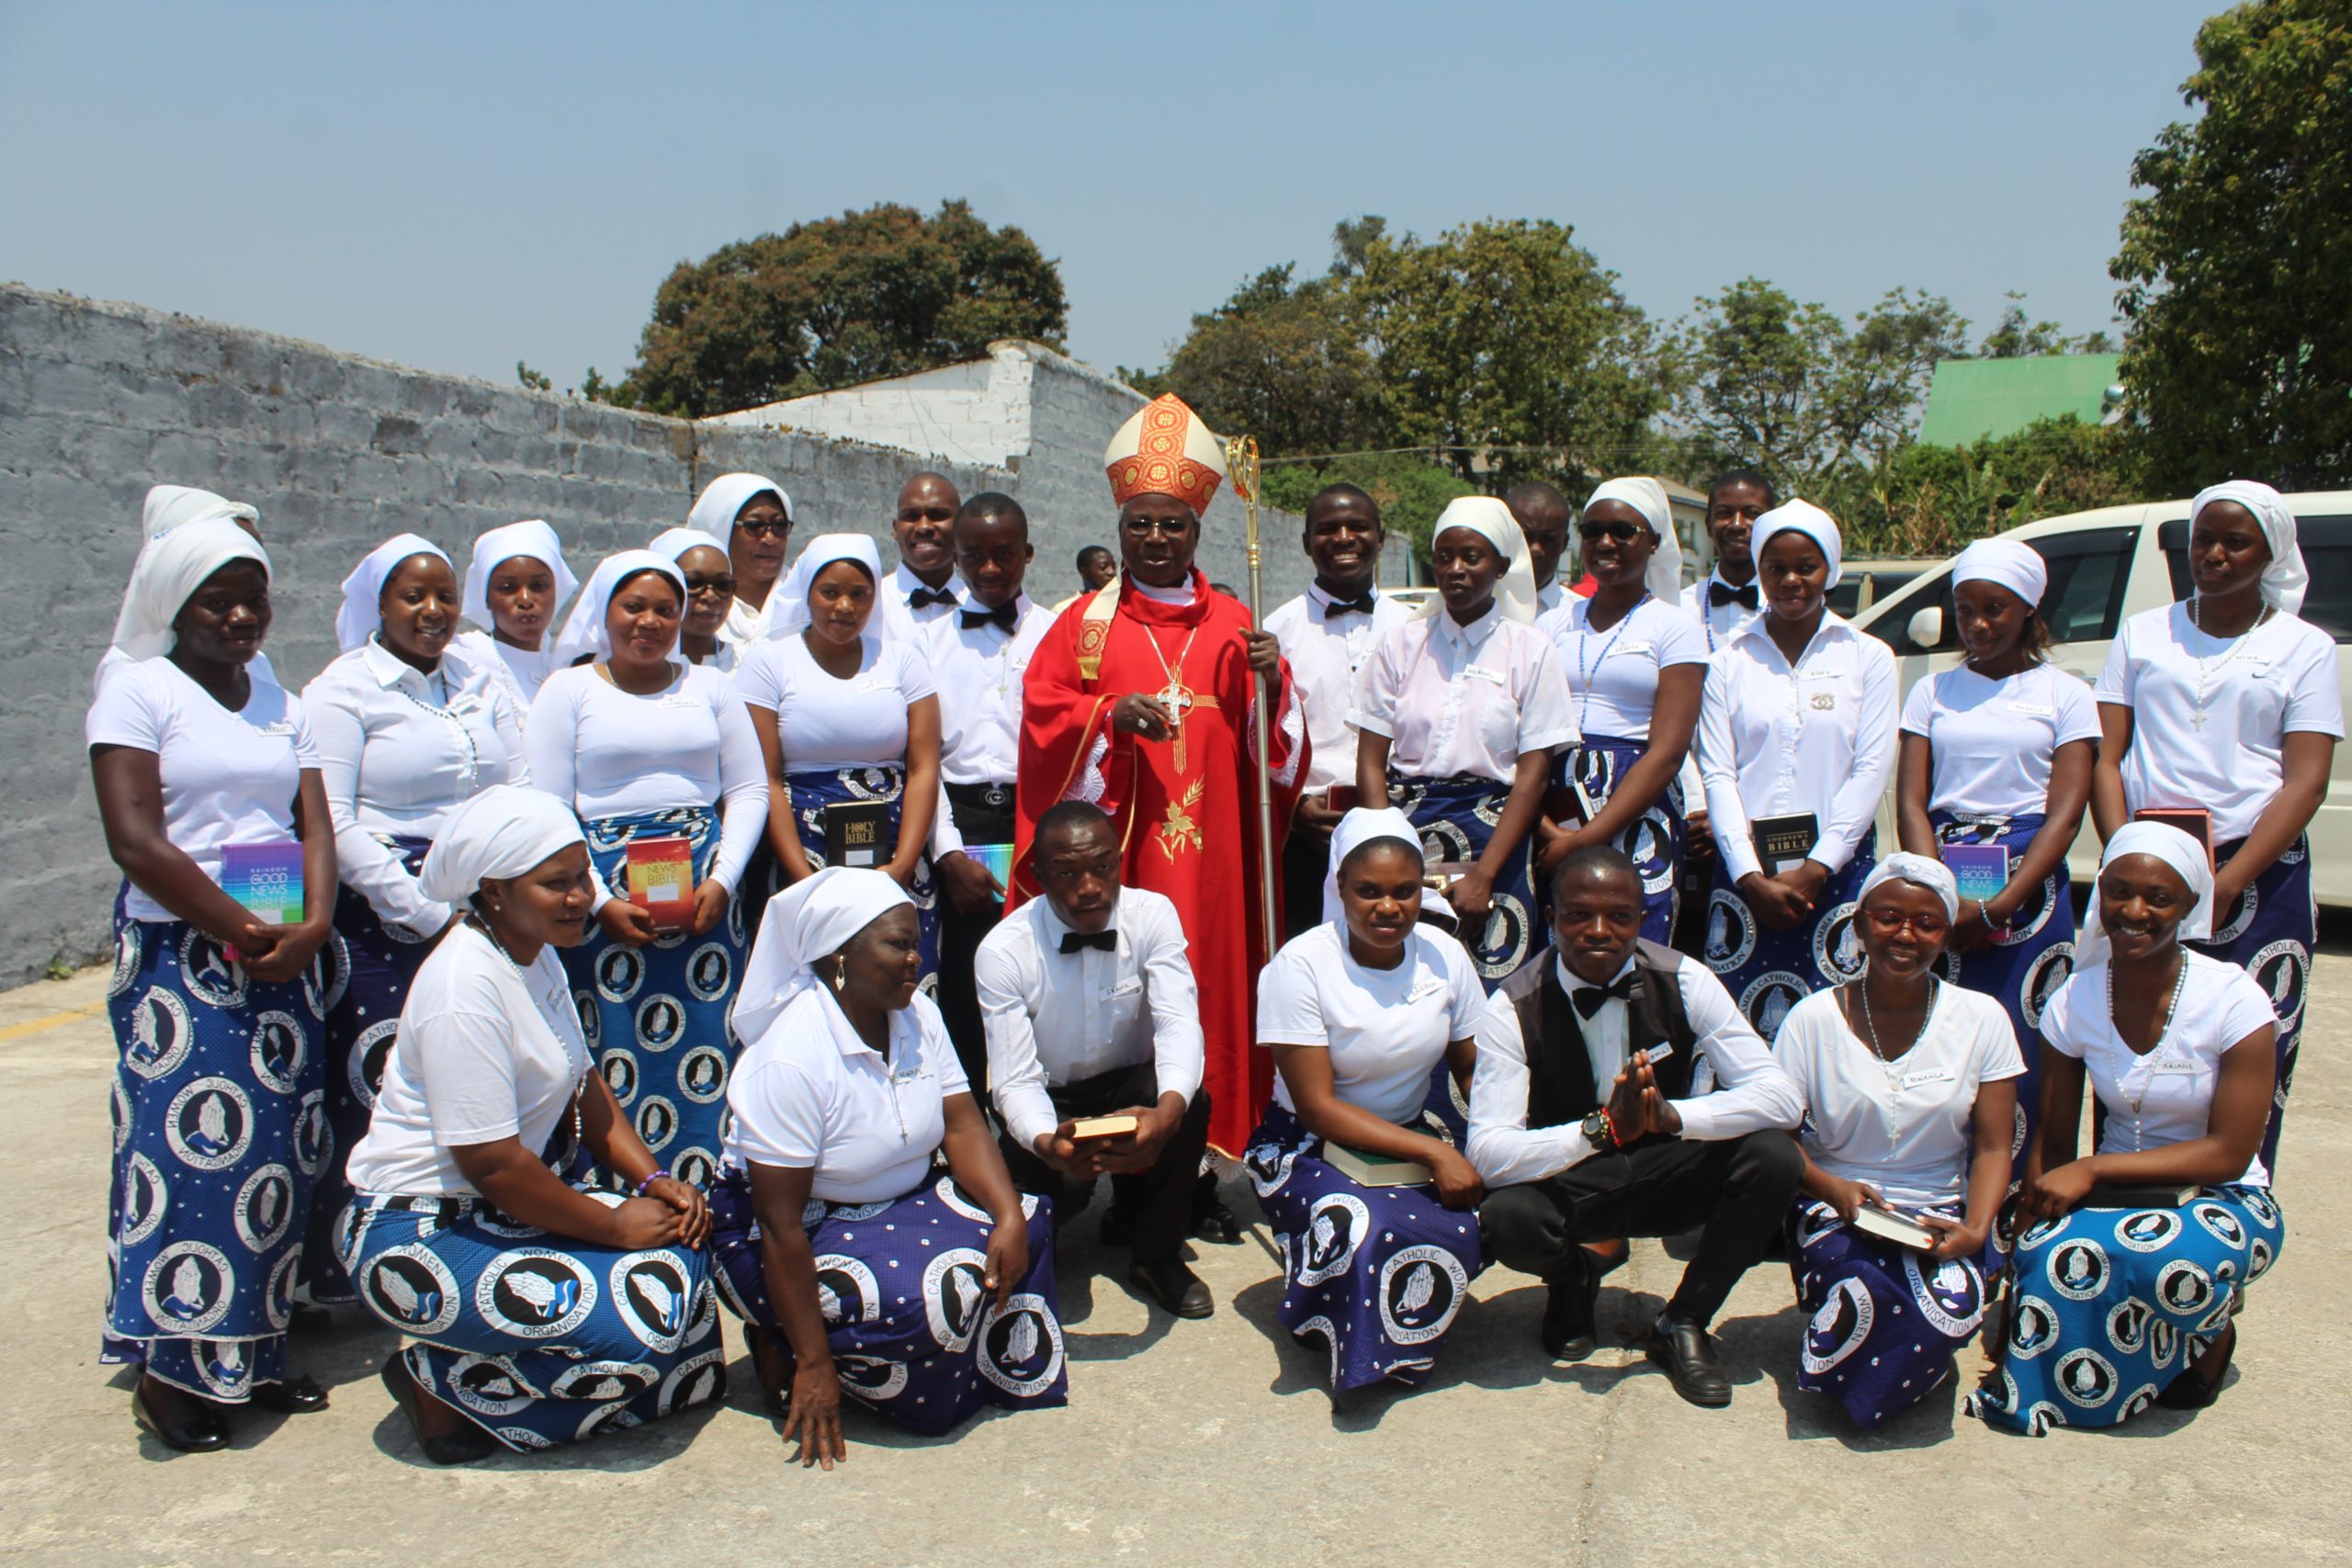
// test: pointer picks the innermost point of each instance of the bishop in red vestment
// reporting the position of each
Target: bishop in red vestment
(1139, 700)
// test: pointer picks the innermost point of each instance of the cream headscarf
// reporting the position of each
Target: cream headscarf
(788, 609)
(504, 831)
(714, 509)
(2286, 579)
(363, 590)
(2005, 563)
(1919, 870)
(1803, 517)
(583, 629)
(172, 506)
(171, 567)
(533, 539)
(1490, 519)
(2176, 849)
(1646, 496)
(812, 917)
(1358, 827)
(670, 544)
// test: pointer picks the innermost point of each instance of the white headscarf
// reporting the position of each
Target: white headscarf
(714, 509)
(671, 544)
(533, 539)
(2285, 580)
(806, 921)
(363, 590)
(504, 831)
(172, 566)
(172, 506)
(2006, 563)
(1646, 496)
(1358, 827)
(2176, 849)
(1919, 871)
(788, 610)
(583, 629)
(1490, 519)
(1803, 517)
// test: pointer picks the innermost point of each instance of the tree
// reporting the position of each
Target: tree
(1929, 501)
(2239, 359)
(1791, 387)
(2014, 338)
(882, 292)
(1409, 491)
(1282, 362)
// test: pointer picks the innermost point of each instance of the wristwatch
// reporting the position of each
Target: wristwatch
(1596, 1131)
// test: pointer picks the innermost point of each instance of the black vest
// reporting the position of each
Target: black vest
(1559, 1063)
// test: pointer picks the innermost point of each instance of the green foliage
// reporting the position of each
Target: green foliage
(58, 969)
(1284, 362)
(882, 292)
(1410, 491)
(1929, 501)
(2234, 263)
(2016, 338)
(525, 375)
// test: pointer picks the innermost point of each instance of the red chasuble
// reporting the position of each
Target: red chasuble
(1186, 807)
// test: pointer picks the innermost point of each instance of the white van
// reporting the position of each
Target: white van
(2117, 561)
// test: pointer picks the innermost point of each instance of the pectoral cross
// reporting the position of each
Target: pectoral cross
(1176, 698)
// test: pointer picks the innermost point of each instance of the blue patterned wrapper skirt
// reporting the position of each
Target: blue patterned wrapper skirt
(655, 1016)
(1658, 837)
(367, 969)
(1769, 971)
(2108, 1305)
(1457, 818)
(812, 792)
(2269, 933)
(1379, 1272)
(537, 1338)
(1883, 1322)
(219, 1133)
(915, 1335)
(2024, 969)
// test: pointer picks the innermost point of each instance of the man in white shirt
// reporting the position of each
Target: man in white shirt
(977, 657)
(1589, 1119)
(1326, 633)
(923, 588)
(1091, 1012)
(1542, 516)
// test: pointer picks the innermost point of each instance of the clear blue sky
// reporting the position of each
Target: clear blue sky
(456, 187)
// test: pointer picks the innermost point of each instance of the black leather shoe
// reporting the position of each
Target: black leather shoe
(1687, 1354)
(1568, 1328)
(463, 1445)
(205, 1432)
(1173, 1286)
(295, 1396)
(1217, 1224)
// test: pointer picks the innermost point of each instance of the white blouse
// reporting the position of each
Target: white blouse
(614, 754)
(1455, 699)
(1613, 675)
(810, 1095)
(825, 723)
(522, 671)
(1904, 1127)
(485, 1051)
(2166, 1096)
(2209, 715)
(1992, 743)
(1327, 658)
(398, 750)
(1779, 739)
(1386, 1029)
(228, 777)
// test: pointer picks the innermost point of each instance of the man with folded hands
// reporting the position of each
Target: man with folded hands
(1088, 1000)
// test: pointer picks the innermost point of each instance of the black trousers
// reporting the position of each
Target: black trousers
(1158, 1202)
(1307, 858)
(1737, 1189)
(983, 814)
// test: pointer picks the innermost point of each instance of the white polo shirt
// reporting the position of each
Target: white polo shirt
(1455, 699)
(1613, 675)
(1991, 743)
(1386, 1029)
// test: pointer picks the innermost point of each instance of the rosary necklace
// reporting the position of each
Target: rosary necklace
(2206, 671)
(1894, 1085)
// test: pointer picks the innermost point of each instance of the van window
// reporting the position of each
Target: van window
(2088, 573)
(2326, 544)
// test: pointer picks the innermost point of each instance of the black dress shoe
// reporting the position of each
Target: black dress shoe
(1687, 1353)
(295, 1396)
(205, 1432)
(463, 1445)
(1173, 1286)
(1568, 1328)
(1217, 1223)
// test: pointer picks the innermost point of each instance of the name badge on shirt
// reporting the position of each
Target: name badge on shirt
(464, 704)
(1427, 985)
(2034, 710)
(1131, 986)
(873, 684)
(1634, 648)
(2171, 1064)
(1480, 672)
(1932, 1076)
(682, 700)
(278, 727)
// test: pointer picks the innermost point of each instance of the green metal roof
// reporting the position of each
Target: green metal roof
(1974, 398)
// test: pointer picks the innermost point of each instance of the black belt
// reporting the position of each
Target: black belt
(993, 797)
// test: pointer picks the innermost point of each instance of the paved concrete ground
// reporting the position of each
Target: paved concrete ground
(1187, 1443)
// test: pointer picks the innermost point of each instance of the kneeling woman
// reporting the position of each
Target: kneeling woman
(1910, 1094)
(1370, 1017)
(2123, 1298)
(538, 1313)
(860, 1273)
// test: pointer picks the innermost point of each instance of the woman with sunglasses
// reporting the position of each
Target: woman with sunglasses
(1459, 710)
(709, 575)
(1910, 1092)
(752, 513)
(1796, 740)
(1634, 665)
(1998, 752)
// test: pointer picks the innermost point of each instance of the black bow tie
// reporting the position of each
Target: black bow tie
(1588, 1000)
(1719, 594)
(1005, 615)
(1108, 940)
(924, 596)
(1358, 605)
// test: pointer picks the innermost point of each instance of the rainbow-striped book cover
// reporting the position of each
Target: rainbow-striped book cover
(997, 858)
(265, 878)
